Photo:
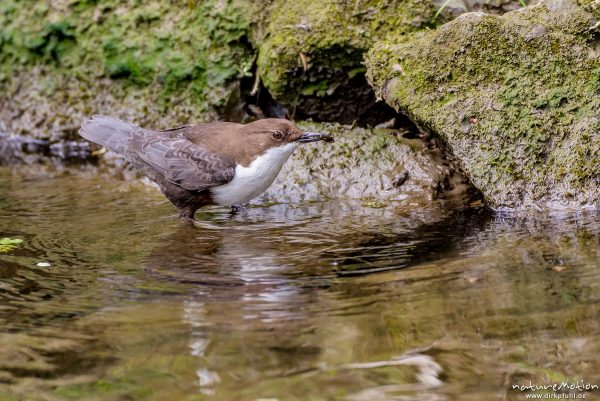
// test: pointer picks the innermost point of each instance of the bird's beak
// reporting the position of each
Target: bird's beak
(314, 137)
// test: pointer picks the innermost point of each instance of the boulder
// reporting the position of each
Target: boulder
(377, 166)
(310, 52)
(516, 97)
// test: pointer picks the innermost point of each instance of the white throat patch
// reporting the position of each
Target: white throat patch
(249, 182)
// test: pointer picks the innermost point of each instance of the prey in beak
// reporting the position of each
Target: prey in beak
(314, 137)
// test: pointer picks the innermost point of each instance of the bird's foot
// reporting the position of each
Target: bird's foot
(235, 209)
(187, 221)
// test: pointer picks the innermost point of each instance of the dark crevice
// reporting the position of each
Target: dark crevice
(250, 100)
(353, 103)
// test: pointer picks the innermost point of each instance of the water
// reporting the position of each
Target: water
(324, 301)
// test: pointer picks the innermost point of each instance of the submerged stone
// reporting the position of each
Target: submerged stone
(516, 97)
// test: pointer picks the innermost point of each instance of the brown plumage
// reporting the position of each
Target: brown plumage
(190, 163)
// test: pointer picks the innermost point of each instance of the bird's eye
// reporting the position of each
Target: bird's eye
(277, 135)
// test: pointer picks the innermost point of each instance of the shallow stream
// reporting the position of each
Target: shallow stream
(109, 297)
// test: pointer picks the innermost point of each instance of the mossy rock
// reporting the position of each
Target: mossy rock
(516, 97)
(311, 52)
(152, 62)
(377, 166)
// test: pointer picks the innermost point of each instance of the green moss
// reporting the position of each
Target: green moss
(172, 46)
(592, 6)
(307, 43)
(317, 88)
(595, 81)
(516, 97)
(9, 244)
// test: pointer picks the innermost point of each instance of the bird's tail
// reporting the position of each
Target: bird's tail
(109, 132)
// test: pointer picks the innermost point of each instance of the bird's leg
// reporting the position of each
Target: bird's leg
(187, 215)
(235, 209)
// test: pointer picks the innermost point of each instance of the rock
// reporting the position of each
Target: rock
(310, 52)
(162, 63)
(376, 165)
(154, 63)
(453, 8)
(515, 97)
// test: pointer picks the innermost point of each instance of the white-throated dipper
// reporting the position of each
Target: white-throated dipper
(206, 164)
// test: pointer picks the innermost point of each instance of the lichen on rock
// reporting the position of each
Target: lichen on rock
(516, 97)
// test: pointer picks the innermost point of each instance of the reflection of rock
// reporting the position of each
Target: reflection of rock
(323, 330)
(40, 353)
(260, 281)
(230, 257)
(369, 164)
(515, 97)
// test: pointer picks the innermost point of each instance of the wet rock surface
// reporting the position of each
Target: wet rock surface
(515, 97)
(16, 149)
(379, 166)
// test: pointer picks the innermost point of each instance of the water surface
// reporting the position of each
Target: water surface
(321, 301)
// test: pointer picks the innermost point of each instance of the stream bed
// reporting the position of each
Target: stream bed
(109, 297)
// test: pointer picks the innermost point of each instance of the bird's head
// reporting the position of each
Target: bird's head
(275, 132)
(276, 137)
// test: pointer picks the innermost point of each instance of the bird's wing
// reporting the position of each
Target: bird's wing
(200, 132)
(182, 162)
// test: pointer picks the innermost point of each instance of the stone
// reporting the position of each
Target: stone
(515, 97)
(378, 166)
(310, 52)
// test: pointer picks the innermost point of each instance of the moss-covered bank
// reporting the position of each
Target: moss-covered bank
(163, 63)
(148, 61)
(516, 97)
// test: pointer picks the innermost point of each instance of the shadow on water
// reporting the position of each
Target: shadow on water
(425, 243)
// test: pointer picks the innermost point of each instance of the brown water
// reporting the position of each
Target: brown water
(325, 301)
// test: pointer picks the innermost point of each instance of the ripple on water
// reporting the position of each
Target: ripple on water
(282, 301)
